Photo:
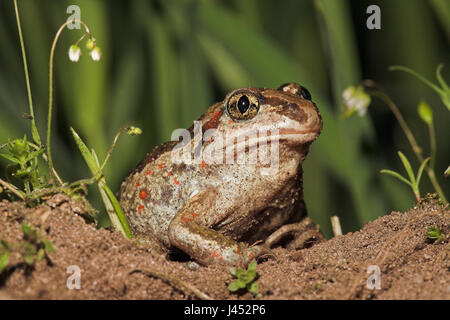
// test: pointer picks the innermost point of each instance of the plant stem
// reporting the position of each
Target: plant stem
(378, 92)
(12, 189)
(432, 145)
(50, 94)
(336, 226)
(34, 131)
(100, 171)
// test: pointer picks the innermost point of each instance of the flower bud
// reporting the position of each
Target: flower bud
(90, 44)
(96, 54)
(74, 53)
(133, 131)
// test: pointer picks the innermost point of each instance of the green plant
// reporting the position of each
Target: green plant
(24, 164)
(113, 208)
(357, 100)
(25, 155)
(435, 234)
(413, 181)
(444, 93)
(33, 248)
(245, 279)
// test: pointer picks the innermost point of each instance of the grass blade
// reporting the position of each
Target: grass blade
(408, 168)
(419, 173)
(396, 175)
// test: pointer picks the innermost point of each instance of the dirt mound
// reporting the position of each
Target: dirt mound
(111, 267)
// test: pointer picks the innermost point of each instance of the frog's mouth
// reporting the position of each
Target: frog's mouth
(257, 138)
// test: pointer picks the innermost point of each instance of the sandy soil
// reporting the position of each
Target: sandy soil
(411, 266)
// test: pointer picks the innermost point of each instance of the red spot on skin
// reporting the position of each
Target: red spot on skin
(185, 220)
(193, 214)
(212, 123)
(230, 121)
(149, 172)
(160, 166)
(169, 174)
(176, 181)
(215, 254)
(138, 184)
(203, 163)
(143, 194)
(140, 207)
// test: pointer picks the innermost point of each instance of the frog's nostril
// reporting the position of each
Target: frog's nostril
(295, 88)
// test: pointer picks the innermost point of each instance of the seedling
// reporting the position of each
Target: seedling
(245, 279)
(413, 181)
(33, 248)
(435, 234)
(24, 164)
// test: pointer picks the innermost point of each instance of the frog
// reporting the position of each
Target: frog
(218, 202)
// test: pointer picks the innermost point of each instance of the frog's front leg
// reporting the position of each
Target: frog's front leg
(190, 230)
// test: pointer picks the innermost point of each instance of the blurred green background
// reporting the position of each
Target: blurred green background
(165, 62)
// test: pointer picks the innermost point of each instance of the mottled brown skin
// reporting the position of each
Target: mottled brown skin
(212, 211)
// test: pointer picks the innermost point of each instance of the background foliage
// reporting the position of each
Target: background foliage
(165, 62)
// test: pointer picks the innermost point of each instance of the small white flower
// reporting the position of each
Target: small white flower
(96, 54)
(355, 100)
(74, 53)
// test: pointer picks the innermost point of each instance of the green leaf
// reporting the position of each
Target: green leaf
(26, 229)
(233, 287)
(240, 284)
(29, 259)
(396, 175)
(40, 254)
(33, 154)
(434, 233)
(10, 158)
(422, 166)
(87, 155)
(251, 275)
(48, 246)
(4, 259)
(253, 288)
(408, 168)
(425, 112)
(252, 266)
(247, 277)
(118, 210)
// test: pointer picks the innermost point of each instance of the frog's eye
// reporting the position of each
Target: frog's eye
(305, 93)
(242, 106)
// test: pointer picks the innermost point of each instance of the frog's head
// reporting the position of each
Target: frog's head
(251, 116)
(288, 110)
